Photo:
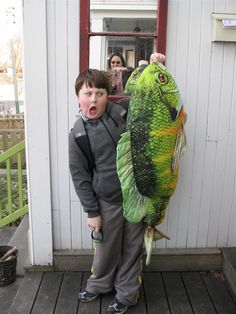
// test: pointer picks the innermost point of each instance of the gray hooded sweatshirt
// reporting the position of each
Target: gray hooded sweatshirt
(103, 182)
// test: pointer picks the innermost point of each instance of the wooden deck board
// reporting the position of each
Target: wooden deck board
(105, 300)
(48, 292)
(215, 283)
(198, 295)
(176, 293)
(156, 300)
(67, 302)
(91, 307)
(140, 307)
(26, 295)
(161, 292)
(7, 295)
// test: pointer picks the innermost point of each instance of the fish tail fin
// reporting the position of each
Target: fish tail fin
(152, 234)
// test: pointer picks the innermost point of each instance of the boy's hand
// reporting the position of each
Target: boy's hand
(157, 58)
(95, 223)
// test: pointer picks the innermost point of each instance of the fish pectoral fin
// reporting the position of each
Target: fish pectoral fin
(134, 204)
(180, 148)
(158, 235)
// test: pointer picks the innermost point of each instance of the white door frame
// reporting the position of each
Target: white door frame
(37, 132)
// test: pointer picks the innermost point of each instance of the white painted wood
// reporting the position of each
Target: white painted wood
(206, 194)
(56, 229)
(200, 124)
(172, 219)
(215, 91)
(232, 198)
(96, 44)
(171, 43)
(102, 2)
(51, 29)
(73, 71)
(231, 5)
(85, 233)
(37, 131)
(192, 85)
(76, 224)
(220, 211)
(202, 212)
(182, 31)
(61, 83)
(124, 5)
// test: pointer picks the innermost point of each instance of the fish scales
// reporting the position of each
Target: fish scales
(139, 121)
(156, 140)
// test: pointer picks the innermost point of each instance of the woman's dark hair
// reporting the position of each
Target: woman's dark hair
(93, 78)
(118, 55)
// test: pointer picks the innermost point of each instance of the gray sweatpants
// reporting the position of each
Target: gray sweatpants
(117, 259)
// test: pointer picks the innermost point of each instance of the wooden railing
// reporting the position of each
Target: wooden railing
(11, 131)
(12, 203)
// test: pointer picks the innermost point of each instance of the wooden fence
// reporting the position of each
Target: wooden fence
(11, 131)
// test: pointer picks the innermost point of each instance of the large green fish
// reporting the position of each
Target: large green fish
(148, 153)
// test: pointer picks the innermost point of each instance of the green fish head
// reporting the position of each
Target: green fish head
(159, 78)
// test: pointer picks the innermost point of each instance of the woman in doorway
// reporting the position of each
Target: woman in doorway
(119, 73)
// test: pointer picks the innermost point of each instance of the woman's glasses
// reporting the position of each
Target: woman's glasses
(117, 62)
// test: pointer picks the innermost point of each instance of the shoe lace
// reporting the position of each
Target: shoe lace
(116, 305)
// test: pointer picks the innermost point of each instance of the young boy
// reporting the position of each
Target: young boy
(117, 262)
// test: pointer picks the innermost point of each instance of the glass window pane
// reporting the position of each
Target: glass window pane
(133, 49)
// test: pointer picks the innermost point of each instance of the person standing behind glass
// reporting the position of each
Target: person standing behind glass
(119, 73)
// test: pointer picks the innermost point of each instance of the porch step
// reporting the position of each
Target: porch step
(6, 234)
(229, 266)
(161, 260)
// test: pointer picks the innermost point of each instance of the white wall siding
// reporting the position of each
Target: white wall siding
(69, 225)
(57, 23)
(37, 132)
(202, 212)
(205, 73)
(63, 51)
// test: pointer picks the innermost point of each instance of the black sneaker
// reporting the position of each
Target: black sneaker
(117, 307)
(85, 296)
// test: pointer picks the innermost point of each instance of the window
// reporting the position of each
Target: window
(135, 37)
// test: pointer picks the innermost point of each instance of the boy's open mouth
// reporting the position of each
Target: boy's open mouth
(92, 109)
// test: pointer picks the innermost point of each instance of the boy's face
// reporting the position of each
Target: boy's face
(92, 101)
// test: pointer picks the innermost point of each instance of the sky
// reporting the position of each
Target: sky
(7, 27)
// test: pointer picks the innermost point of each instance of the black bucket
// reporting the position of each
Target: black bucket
(8, 266)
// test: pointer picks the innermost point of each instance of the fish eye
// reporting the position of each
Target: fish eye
(162, 78)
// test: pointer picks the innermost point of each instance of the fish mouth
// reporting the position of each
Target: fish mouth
(175, 90)
(174, 112)
(170, 91)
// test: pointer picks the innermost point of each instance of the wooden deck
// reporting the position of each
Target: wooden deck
(161, 292)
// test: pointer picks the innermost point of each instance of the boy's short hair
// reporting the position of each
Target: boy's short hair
(93, 78)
